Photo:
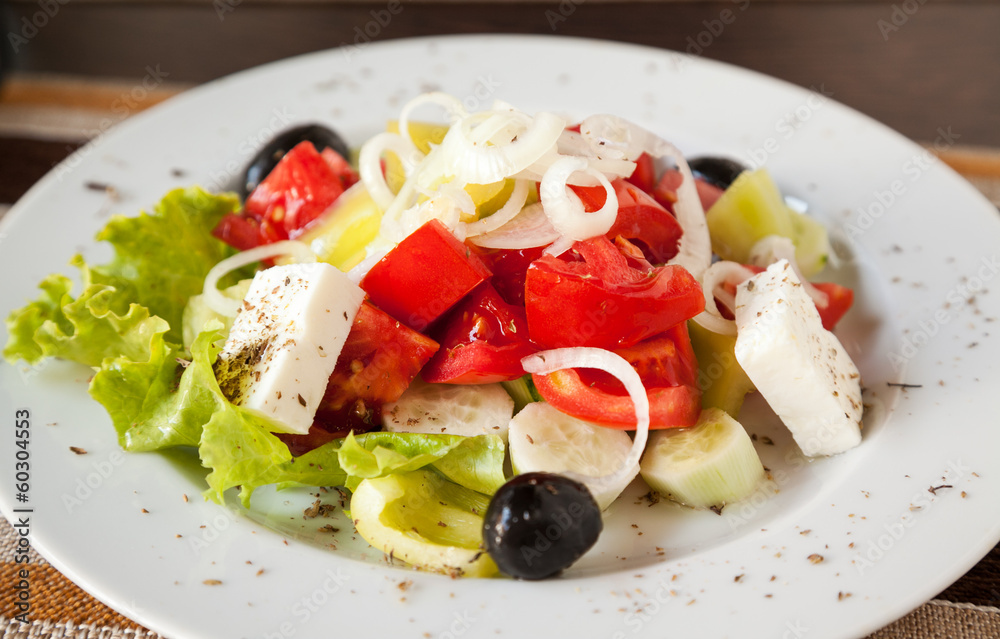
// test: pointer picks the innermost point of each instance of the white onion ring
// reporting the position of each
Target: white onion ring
(447, 205)
(613, 137)
(695, 249)
(484, 164)
(616, 138)
(565, 210)
(610, 168)
(557, 359)
(370, 165)
(496, 127)
(573, 143)
(773, 248)
(452, 106)
(227, 306)
(528, 229)
(720, 273)
(505, 214)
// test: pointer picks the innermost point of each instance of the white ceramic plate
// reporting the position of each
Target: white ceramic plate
(887, 544)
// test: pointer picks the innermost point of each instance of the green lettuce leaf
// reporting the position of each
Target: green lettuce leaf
(161, 260)
(100, 323)
(473, 462)
(240, 450)
(476, 463)
(157, 403)
(166, 255)
(242, 453)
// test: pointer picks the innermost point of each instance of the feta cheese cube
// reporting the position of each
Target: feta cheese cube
(800, 368)
(285, 341)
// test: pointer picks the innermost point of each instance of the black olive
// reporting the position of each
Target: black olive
(272, 152)
(538, 524)
(720, 172)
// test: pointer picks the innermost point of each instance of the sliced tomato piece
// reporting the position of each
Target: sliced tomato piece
(379, 360)
(297, 191)
(340, 167)
(667, 366)
(483, 340)
(645, 223)
(424, 276)
(841, 298)
(641, 219)
(665, 191)
(670, 407)
(644, 175)
(600, 300)
(707, 193)
(240, 232)
(509, 268)
(663, 360)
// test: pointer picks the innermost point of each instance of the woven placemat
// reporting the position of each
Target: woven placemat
(945, 620)
(61, 609)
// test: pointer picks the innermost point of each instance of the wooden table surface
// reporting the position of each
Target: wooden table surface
(914, 64)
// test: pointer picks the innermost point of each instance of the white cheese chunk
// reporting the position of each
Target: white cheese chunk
(285, 341)
(800, 368)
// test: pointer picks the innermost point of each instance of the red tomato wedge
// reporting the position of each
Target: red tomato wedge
(483, 340)
(645, 223)
(299, 189)
(668, 369)
(591, 296)
(379, 360)
(666, 359)
(665, 191)
(509, 268)
(424, 276)
(340, 167)
(840, 299)
(641, 220)
(644, 175)
(242, 233)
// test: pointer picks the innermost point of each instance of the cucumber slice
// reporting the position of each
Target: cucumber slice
(424, 520)
(522, 390)
(542, 439)
(812, 244)
(751, 209)
(451, 409)
(723, 382)
(711, 464)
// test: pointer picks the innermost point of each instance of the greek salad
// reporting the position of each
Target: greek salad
(481, 328)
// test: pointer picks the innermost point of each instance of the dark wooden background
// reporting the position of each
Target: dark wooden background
(928, 64)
